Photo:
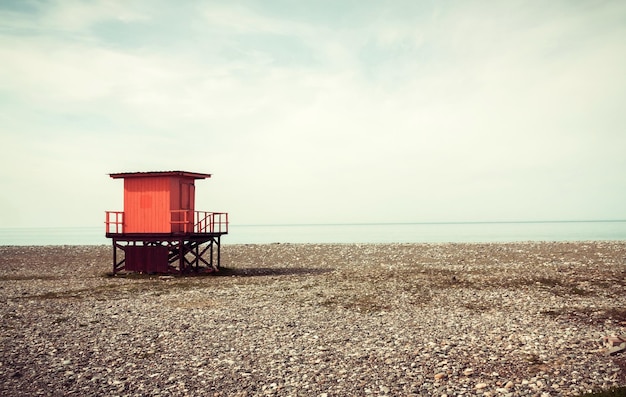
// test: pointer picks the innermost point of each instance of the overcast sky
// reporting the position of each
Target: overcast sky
(316, 111)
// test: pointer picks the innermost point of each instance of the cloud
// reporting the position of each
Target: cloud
(456, 111)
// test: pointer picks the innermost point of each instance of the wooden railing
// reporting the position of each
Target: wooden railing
(211, 222)
(181, 217)
(190, 221)
(114, 222)
(203, 221)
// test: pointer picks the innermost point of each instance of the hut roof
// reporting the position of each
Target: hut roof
(195, 175)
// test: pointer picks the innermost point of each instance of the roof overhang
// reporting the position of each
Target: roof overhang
(183, 174)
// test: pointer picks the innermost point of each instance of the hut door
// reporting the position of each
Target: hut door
(186, 203)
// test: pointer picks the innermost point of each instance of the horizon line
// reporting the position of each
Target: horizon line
(427, 223)
(361, 223)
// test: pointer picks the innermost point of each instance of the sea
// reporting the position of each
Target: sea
(454, 232)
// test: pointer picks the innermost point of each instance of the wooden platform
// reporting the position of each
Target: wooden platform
(166, 252)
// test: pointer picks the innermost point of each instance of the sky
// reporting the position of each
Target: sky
(316, 111)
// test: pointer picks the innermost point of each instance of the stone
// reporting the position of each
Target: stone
(613, 340)
(265, 323)
(440, 375)
(616, 349)
(480, 386)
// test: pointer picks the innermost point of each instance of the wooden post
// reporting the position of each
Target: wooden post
(181, 254)
(219, 266)
(114, 257)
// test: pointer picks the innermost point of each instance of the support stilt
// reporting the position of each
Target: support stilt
(166, 254)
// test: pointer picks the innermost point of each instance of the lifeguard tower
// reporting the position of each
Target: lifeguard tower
(159, 230)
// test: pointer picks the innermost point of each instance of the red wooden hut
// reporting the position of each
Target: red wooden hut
(159, 230)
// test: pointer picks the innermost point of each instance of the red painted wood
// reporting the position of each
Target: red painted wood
(146, 259)
(152, 200)
(146, 205)
(159, 224)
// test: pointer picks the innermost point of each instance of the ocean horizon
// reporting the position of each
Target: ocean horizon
(425, 232)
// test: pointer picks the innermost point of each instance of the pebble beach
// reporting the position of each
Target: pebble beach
(497, 319)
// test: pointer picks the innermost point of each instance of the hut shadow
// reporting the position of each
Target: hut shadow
(225, 272)
(269, 271)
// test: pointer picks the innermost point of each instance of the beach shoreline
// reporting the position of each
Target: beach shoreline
(483, 319)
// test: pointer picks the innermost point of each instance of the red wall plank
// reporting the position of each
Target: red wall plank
(148, 203)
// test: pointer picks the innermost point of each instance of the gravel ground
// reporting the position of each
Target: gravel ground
(519, 319)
